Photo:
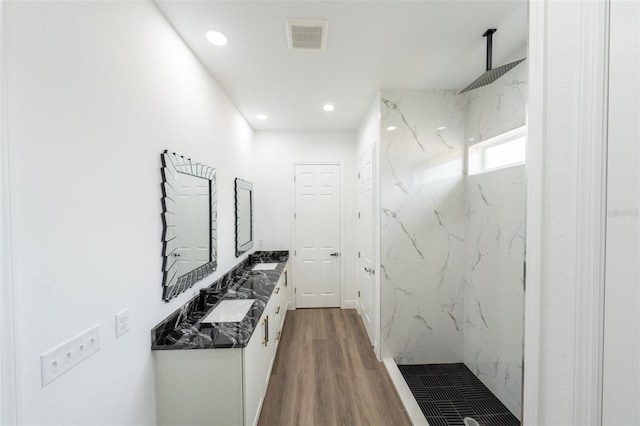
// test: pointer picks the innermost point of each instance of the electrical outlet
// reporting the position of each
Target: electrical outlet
(122, 322)
(63, 357)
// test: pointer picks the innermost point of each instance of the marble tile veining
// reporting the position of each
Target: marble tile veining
(494, 281)
(452, 246)
(500, 106)
(422, 206)
(183, 328)
(495, 241)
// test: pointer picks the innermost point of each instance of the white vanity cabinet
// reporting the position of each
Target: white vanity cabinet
(221, 386)
(281, 299)
(199, 387)
(257, 362)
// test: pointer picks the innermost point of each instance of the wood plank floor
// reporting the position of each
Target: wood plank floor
(326, 373)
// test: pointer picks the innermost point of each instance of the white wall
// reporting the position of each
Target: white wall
(8, 403)
(96, 91)
(369, 129)
(275, 152)
(621, 371)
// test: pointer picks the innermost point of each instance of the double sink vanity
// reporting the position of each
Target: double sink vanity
(213, 356)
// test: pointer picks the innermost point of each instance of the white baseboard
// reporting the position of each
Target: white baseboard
(349, 304)
(410, 405)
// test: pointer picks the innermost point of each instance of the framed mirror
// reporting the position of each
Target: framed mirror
(244, 216)
(189, 218)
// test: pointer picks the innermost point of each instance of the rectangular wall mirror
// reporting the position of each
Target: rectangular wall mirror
(189, 217)
(244, 216)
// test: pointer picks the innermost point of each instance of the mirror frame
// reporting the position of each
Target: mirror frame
(172, 164)
(244, 186)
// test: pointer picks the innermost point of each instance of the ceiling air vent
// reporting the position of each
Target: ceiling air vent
(307, 34)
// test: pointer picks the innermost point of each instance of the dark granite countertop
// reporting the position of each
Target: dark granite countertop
(183, 330)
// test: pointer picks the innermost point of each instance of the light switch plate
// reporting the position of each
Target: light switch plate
(63, 357)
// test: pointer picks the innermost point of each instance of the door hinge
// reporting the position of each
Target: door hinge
(295, 289)
(358, 215)
(295, 252)
(358, 293)
(294, 215)
(358, 254)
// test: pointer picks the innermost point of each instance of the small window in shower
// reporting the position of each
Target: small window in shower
(507, 150)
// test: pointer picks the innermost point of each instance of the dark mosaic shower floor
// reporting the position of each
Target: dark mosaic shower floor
(447, 393)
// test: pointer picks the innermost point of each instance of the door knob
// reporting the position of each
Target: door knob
(336, 254)
(367, 270)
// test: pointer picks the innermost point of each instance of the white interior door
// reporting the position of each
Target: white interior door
(365, 272)
(317, 235)
(193, 222)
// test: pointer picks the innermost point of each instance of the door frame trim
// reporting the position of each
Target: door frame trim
(375, 262)
(591, 220)
(584, 378)
(342, 220)
(9, 382)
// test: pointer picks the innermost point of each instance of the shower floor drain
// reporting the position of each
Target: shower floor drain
(469, 421)
(451, 395)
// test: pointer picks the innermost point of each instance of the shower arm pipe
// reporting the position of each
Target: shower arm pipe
(489, 35)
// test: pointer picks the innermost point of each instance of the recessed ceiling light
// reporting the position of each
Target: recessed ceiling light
(261, 117)
(217, 38)
(441, 128)
(391, 128)
(328, 107)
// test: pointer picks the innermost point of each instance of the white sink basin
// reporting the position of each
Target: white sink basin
(265, 267)
(230, 311)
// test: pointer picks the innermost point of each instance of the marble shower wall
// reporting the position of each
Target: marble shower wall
(494, 281)
(495, 243)
(452, 246)
(422, 226)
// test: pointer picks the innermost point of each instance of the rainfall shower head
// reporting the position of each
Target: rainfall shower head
(490, 75)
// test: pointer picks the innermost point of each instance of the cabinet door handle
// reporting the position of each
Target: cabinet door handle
(278, 310)
(278, 335)
(336, 254)
(264, 331)
(285, 278)
(277, 290)
(267, 329)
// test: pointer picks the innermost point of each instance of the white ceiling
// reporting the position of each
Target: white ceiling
(371, 45)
